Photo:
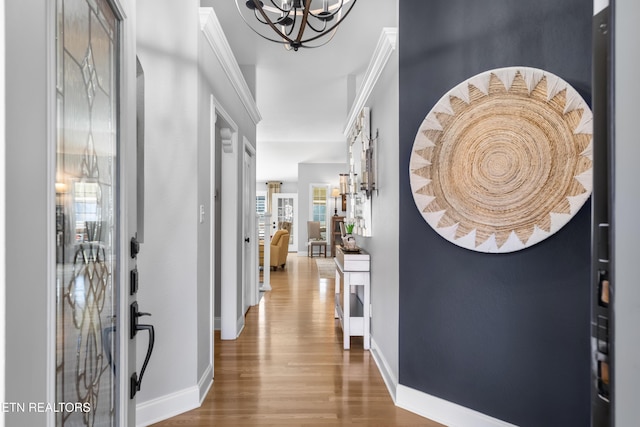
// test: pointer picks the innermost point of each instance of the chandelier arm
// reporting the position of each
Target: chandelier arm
(285, 40)
(331, 28)
(279, 20)
(278, 7)
(303, 24)
(324, 27)
(292, 26)
(259, 18)
(329, 38)
(334, 13)
(271, 24)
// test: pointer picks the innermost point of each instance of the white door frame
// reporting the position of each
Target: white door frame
(231, 316)
(250, 252)
(212, 224)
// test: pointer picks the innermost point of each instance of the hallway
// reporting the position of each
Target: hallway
(288, 367)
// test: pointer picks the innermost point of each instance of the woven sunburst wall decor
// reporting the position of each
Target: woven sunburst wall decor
(503, 160)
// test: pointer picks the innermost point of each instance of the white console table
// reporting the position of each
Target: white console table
(352, 295)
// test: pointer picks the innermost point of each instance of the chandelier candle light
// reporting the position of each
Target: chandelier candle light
(289, 19)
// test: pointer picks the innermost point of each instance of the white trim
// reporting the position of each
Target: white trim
(205, 382)
(252, 289)
(212, 30)
(388, 376)
(220, 111)
(118, 9)
(230, 233)
(226, 138)
(386, 45)
(167, 406)
(442, 411)
(128, 224)
(599, 6)
(239, 325)
(213, 118)
(3, 101)
(52, 123)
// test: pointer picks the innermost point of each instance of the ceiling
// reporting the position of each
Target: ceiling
(303, 96)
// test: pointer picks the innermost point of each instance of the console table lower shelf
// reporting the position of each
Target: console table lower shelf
(352, 296)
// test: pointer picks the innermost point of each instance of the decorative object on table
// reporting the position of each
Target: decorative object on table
(349, 240)
(335, 193)
(285, 21)
(503, 160)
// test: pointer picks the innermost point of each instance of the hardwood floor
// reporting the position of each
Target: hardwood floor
(288, 367)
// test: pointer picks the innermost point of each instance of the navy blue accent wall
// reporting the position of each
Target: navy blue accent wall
(503, 334)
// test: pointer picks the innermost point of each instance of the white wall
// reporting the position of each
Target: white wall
(625, 214)
(379, 90)
(168, 51)
(384, 243)
(182, 72)
(27, 195)
(2, 216)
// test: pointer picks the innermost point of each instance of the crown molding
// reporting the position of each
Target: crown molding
(212, 30)
(386, 45)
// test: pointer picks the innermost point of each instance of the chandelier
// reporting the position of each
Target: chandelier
(290, 19)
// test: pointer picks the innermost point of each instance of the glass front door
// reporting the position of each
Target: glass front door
(285, 213)
(86, 212)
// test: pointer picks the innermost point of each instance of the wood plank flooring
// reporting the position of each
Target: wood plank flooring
(288, 367)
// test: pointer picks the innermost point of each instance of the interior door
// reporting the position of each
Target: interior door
(89, 223)
(250, 231)
(285, 209)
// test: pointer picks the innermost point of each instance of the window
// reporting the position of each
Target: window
(318, 211)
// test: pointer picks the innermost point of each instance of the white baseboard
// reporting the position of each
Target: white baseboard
(385, 370)
(239, 326)
(205, 383)
(167, 406)
(443, 411)
(173, 404)
(217, 322)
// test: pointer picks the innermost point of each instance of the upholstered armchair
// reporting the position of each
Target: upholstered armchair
(315, 239)
(279, 249)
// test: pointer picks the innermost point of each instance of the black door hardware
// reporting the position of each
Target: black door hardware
(133, 281)
(136, 381)
(135, 247)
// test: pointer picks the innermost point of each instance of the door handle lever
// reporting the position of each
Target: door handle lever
(134, 315)
(136, 382)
